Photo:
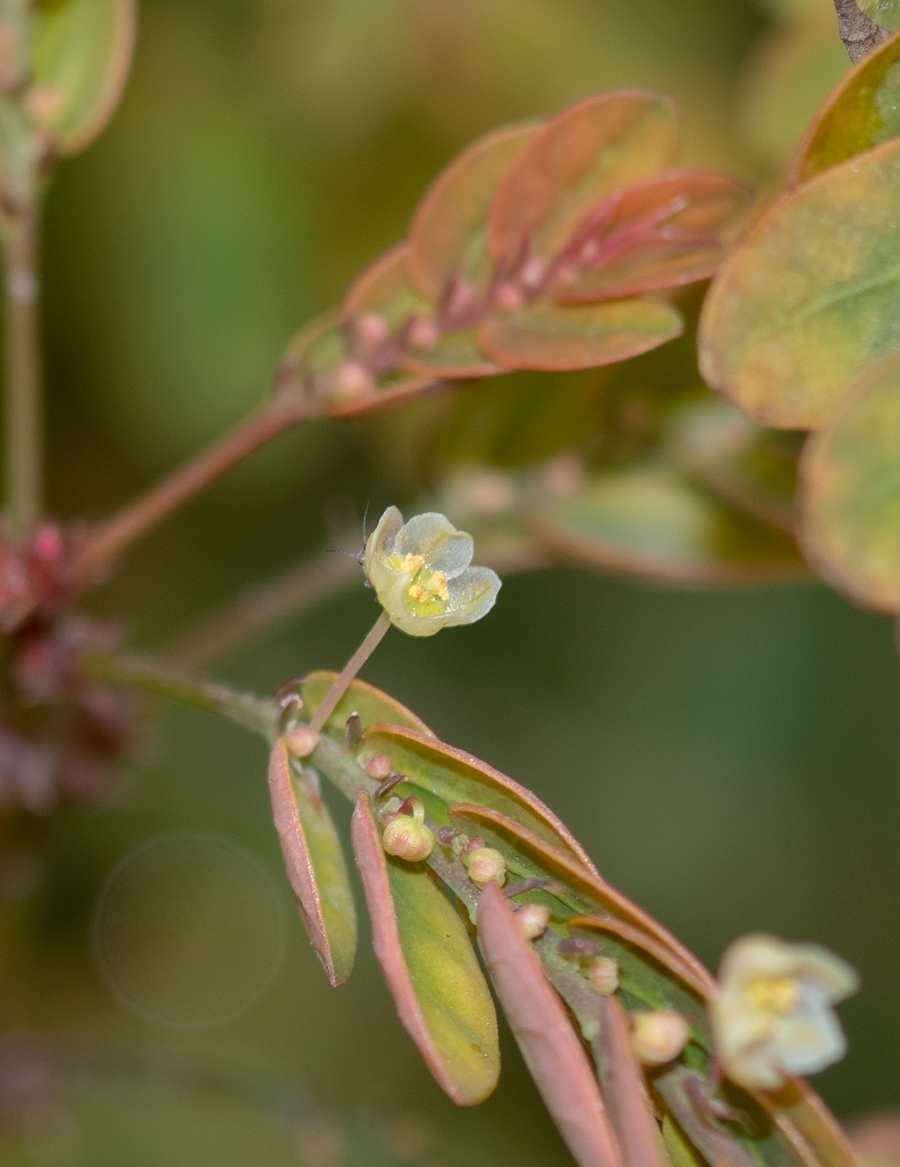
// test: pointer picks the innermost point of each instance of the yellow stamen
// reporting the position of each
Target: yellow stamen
(772, 994)
(437, 585)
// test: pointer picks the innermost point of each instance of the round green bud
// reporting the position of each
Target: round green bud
(532, 920)
(603, 973)
(408, 838)
(659, 1036)
(485, 866)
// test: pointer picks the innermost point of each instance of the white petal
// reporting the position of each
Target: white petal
(425, 535)
(472, 596)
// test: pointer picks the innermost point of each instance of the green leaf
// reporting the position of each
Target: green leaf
(431, 969)
(447, 775)
(365, 700)
(602, 144)
(669, 231)
(850, 494)
(81, 54)
(809, 302)
(753, 468)
(550, 1046)
(585, 891)
(315, 865)
(648, 521)
(883, 12)
(555, 338)
(448, 236)
(862, 110)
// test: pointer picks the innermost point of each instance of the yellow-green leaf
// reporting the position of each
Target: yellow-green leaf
(81, 54)
(361, 698)
(430, 966)
(861, 111)
(850, 494)
(649, 521)
(315, 865)
(810, 301)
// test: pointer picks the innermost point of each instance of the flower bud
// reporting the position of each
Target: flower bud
(372, 330)
(379, 767)
(408, 838)
(485, 866)
(532, 920)
(423, 335)
(509, 298)
(603, 973)
(352, 379)
(659, 1036)
(301, 741)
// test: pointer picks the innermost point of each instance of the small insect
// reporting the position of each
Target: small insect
(359, 556)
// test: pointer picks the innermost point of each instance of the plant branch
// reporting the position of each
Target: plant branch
(349, 671)
(859, 32)
(24, 463)
(157, 679)
(101, 547)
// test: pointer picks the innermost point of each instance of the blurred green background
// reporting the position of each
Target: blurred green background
(731, 760)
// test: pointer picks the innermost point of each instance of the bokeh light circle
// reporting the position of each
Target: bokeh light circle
(189, 930)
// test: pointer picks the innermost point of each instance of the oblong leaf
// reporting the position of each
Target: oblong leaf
(671, 230)
(448, 236)
(862, 110)
(551, 1048)
(850, 494)
(450, 775)
(361, 698)
(315, 866)
(81, 54)
(602, 144)
(808, 303)
(648, 521)
(555, 338)
(430, 967)
(802, 1107)
(532, 857)
(625, 1089)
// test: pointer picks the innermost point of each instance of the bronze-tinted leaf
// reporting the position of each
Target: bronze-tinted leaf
(861, 111)
(680, 1088)
(370, 703)
(81, 54)
(430, 967)
(625, 1089)
(802, 1107)
(531, 857)
(850, 494)
(809, 302)
(602, 144)
(555, 338)
(551, 1048)
(448, 236)
(449, 775)
(455, 356)
(315, 865)
(647, 520)
(669, 231)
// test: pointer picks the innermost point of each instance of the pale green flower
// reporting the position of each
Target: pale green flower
(420, 572)
(772, 1017)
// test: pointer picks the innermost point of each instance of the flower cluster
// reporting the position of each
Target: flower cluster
(420, 572)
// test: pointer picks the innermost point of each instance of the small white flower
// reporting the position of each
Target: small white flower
(772, 1017)
(420, 572)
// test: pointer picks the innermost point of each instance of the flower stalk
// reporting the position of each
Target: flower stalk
(348, 672)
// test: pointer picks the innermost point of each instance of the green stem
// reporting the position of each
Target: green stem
(24, 468)
(349, 671)
(148, 675)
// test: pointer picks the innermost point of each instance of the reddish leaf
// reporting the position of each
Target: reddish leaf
(432, 972)
(575, 162)
(678, 1087)
(797, 1105)
(448, 236)
(553, 338)
(589, 887)
(625, 1089)
(315, 864)
(551, 1048)
(669, 231)
(453, 775)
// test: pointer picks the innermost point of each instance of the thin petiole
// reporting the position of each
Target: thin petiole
(349, 671)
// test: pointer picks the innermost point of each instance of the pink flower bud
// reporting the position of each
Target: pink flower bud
(423, 334)
(301, 742)
(379, 767)
(408, 838)
(486, 866)
(352, 379)
(659, 1036)
(509, 298)
(603, 973)
(371, 331)
(532, 920)
(533, 272)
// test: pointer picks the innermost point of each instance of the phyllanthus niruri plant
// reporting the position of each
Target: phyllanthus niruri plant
(554, 245)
